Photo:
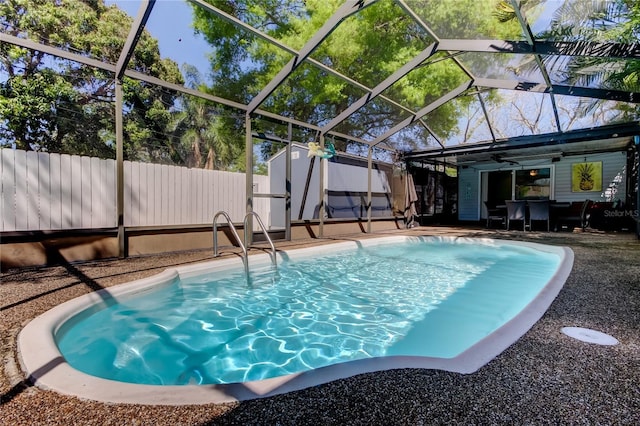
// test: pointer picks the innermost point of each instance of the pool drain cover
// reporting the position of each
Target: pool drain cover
(590, 336)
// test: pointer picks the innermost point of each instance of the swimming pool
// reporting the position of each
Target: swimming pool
(317, 318)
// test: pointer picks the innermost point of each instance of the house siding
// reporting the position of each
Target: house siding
(613, 180)
(613, 169)
(468, 194)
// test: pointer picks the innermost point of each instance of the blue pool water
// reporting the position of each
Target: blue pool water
(430, 299)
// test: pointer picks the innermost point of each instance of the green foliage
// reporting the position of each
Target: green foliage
(616, 21)
(52, 104)
(604, 21)
(28, 103)
(206, 132)
(467, 19)
(367, 47)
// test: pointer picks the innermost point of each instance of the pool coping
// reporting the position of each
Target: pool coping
(46, 367)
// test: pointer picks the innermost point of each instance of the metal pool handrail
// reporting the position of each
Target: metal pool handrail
(264, 232)
(235, 234)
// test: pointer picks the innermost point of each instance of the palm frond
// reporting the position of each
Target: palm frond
(504, 12)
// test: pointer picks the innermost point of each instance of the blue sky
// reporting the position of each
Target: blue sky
(170, 24)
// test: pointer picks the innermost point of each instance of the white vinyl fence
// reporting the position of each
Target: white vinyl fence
(42, 191)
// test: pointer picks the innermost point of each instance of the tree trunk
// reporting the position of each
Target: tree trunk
(210, 164)
(196, 155)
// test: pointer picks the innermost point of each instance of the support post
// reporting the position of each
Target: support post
(121, 66)
(248, 177)
(369, 167)
(321, 200)
(636, 154)
(287, 199)
(122, 249)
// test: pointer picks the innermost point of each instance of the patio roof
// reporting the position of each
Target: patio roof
(617, 137)
(506, 94)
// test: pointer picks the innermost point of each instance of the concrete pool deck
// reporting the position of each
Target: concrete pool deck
(38, 348)
(545, 377)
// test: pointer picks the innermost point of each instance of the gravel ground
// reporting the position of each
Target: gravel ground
(544, 378)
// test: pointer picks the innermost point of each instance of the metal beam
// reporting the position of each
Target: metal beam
(346, 10)
(431, 132)
(287, 184)
(486, 116)
(606, 94)
(54, 51)
(235, 21)
(433, 35)
(543, 69)
(353, 139)
(417, 19)
(485, 46)
(242, 107)
(369, 185)
(182, 89)
(452, 55)
(134, 35)
(527, 86)
(563, 48)
(248, 180)
(238, 23)
(322, 211)
(550, 139)
(558, 89)
(120, 183)
(424, 111)
(554, 107)
(384, 85)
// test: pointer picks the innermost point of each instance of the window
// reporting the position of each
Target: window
(533, 184)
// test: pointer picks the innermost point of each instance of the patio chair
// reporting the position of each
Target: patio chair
(516, 210)
(538, 211)
(577, 215)
(494, 213)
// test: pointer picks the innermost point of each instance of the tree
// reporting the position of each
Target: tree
(366, 47)
(52, 104)
(603, 21)
(202, 127)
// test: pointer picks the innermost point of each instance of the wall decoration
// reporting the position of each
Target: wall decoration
(586, 177)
